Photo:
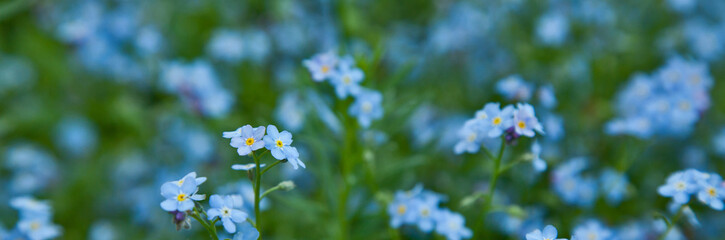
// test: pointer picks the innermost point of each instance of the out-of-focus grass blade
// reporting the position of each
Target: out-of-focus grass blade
(10, 8)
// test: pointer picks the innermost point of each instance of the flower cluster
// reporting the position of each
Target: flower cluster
(492, 122)
(419, 207)
(668, 102)
(346, 78)
(709, 187)
(248, 139)
(35, 220)
(33, 168)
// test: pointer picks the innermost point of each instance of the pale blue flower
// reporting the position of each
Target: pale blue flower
(293, 157)
(452, 225)
(227, 209)
(525, 122)
(549, 233)
(38, 229)
(367, 107)
(592, 230)
(495, 120)
(680, 186)
(712, 191)
(347, 78)
(402, 209)
(277, 142)
(180, 195)
(246, 232)
(322, 66)
(246, 139)
(470, 136)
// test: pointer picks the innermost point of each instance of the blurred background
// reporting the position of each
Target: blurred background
(102, 101)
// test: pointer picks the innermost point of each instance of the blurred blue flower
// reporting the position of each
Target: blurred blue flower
(452, 225)
(539, 164)
(198, 86)
(514, 88)
(614, 185)
(547, 98)
(571, 186)
(290, 112)
(227, 45)
(552, 28)
(32, 168)
(680, 185)
(246, 139)
(669, 102)
(322, 66)
(246, 232)
(35, 219)
(76, 135)
(346, 78)
(149, 41)
(549, 233)
(718, 142)
(592, 230)
(470, 138)
(367, 107)
(227, 209)
(712, 190)
(554, 125)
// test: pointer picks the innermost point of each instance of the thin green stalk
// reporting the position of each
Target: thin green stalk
(268, 191)
(257, 180)
(209, 228)
(672, 223)
(270, 166)
(489, 196)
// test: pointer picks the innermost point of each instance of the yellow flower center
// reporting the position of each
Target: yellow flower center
(680, 186)
(367, 107)
(346, 80)
(181, 197)
(522, 124)
(592, 236)
(425, 212)
(250, 141)
(471, 137)
(325, 69)
(482, 115)
(496, 121)
(712, 192)
(279, 143)
(402, 209)
(684, 105)
(34, 225)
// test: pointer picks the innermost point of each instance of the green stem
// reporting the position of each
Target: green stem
(257, 186)
(268, 191)
(671, 224)
(270, 166)
(489, 196)
(210, 228)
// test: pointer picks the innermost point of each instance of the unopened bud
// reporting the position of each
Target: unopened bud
(287, 185)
